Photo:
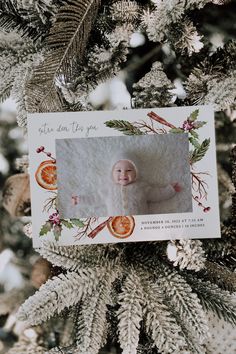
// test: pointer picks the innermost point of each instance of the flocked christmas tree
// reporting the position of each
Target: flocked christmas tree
(146, 297)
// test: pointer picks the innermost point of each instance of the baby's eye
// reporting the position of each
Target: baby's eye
(129, 170)
(118, 170)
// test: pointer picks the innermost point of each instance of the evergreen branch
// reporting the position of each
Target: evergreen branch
(198, 153)
(180, 296)
(213, 298)
(102, 65)
(59, 293)
(130, 313)
(159, 21)
(66, 44)
(193, 345)
(92, 317)
(218, 249)
(29, 18)
(86, 256)
(39, 13)
(5, 92)
(124, 126)
(160, 322)
(153, 89)
(220, 275)
(13, 21)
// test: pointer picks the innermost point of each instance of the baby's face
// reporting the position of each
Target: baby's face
(123, 172)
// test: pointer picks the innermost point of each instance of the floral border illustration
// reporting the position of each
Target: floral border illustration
(155, 125)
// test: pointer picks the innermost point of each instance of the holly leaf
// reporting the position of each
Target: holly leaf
(193, 116)
(194, 134)
(77, 222)
(194, 142)
(67, 224)
(176, 130)
(57, 232)
(199, 124)
(198, 153)
(45, 228)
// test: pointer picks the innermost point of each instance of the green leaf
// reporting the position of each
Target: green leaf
(176, 130)
(193, 116)
(194, 134)
(77, 222)
(199, 153)
(67, 224)
(45, 228)
(194, 142)
(57, 232)
(124, 126)
(199, 124)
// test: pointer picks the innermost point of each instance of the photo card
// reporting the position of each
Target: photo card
(123, 176)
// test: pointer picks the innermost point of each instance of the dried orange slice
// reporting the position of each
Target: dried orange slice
(46, 175)
(121, 226)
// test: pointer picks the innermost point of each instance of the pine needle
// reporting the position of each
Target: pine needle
(124, 126)
(221, 302)
(65, 44)
(130, 313)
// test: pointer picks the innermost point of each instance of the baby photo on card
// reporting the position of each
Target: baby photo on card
(123, 176)
(126, 175)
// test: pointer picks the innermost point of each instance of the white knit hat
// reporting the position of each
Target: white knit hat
(127, 156)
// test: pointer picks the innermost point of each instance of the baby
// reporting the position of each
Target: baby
(128, 194)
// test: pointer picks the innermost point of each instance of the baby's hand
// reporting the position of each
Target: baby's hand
(75, 199)
(176, 187)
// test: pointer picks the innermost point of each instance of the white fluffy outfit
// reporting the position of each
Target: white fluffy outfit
(134, 198)
(131, 199)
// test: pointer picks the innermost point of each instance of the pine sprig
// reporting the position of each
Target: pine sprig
(220, 275)
(193, 344)
(124, 126)
(198, 153)
(86, 256)
(160, 322)
(130, 313)
(219, 249)
(10, 20)
(59, 293)
(30, 18)
(186, 304)
(92, 317)
(213, 298)
(66, 43)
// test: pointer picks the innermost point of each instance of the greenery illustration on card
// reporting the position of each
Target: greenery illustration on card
(84, 202)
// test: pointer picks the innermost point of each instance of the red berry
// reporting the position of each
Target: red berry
(49, 154)
(38, 150)
(206, 209)
(42, 148)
